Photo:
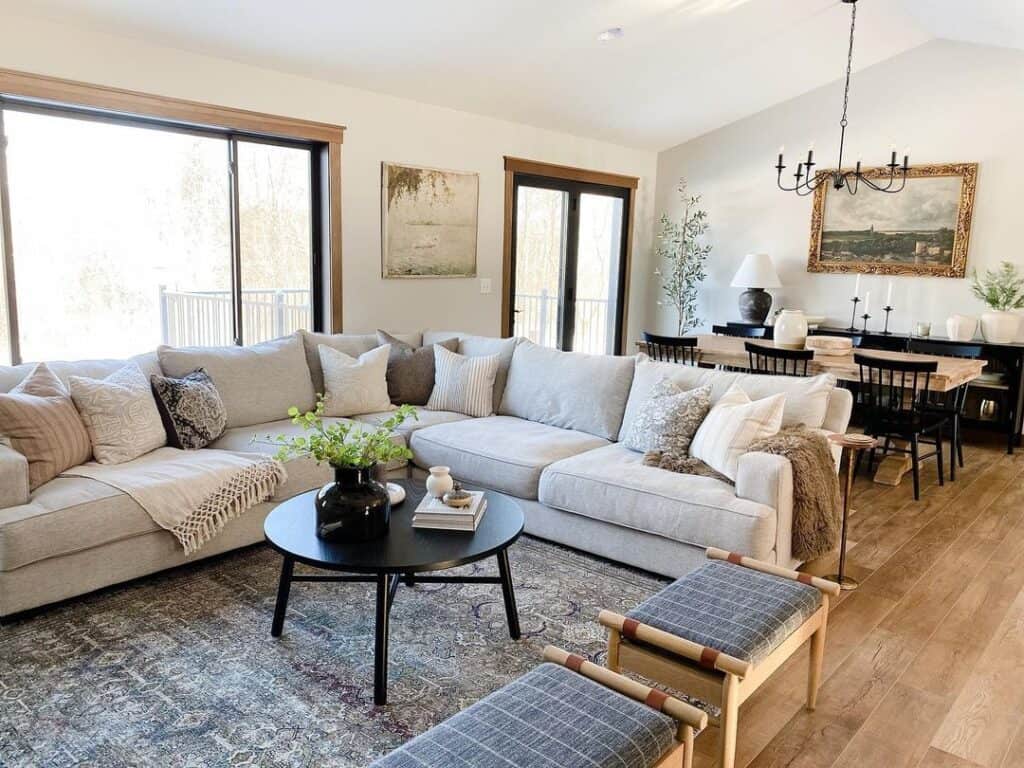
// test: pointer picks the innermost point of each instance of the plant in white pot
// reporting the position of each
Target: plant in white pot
(682, 248)
(1002, 290)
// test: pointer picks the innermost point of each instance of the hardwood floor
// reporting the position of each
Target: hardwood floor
(924, 664)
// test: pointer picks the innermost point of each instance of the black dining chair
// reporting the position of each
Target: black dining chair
(949, 403)
(672, 349)
(739, 331)
(889, 393)
(777, 361)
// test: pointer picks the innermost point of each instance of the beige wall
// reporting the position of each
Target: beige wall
(379, 128)
(951, 102)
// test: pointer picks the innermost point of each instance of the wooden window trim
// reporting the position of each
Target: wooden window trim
(514, 165)
(102, 98)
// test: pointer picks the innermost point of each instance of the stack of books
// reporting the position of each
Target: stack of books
(434, 513)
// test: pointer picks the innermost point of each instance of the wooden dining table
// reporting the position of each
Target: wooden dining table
(731, 351)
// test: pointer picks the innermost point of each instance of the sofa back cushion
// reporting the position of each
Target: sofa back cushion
(352, 344)
(481, 346)
(257, 383)
(571, 390)
(807, 399)
(12, 375)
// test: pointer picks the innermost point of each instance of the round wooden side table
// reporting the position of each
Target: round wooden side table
(852, 444)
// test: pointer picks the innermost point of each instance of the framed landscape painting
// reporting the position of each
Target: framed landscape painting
(428, 221)
(923, 230)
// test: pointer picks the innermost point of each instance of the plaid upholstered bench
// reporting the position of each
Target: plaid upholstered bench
(720, 631)
(568, 713)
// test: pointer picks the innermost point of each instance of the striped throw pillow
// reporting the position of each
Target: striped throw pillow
(732, 425)
(40, 421)
(463, 384)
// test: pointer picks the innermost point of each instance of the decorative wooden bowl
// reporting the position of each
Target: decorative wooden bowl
(836, 346)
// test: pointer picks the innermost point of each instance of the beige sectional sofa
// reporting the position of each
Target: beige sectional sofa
(553, 444)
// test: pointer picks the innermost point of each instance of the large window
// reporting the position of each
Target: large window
(126, 234)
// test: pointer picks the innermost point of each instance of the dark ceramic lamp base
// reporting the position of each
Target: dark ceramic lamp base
(755, 304)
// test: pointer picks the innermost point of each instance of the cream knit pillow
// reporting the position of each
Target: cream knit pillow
(732, 425)
(355, 386)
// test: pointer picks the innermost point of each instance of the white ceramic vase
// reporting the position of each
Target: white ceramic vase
(790, 329)
(439, 481)
(961, 327)
(999, 327)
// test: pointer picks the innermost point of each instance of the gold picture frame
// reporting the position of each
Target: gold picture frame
(927, 226)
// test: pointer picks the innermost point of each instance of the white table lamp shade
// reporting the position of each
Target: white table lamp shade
(756, 271)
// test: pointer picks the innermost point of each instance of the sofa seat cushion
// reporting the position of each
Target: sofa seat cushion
(612, 484)
(739, 611)
(426, 419)
(499, 452)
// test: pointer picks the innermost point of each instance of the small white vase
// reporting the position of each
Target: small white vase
(790, 329)
(439, 481)
(999, 327)
(961, 327)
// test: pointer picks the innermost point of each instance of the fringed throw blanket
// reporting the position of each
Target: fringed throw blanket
(817, 509)
(192, 494)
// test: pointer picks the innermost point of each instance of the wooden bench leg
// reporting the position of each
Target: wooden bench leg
(729, 721)
(612, 662)
(817, 659)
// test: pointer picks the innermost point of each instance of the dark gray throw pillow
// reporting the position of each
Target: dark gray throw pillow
(191, 408)
(410, 369)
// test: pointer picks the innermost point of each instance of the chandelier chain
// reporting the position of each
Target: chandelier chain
(849, 63)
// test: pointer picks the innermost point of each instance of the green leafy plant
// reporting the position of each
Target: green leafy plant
(682, 248)
(343, 444)
(1001, 289)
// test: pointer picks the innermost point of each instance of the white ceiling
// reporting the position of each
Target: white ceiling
(683, 68)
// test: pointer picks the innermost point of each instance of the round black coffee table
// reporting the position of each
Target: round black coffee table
(400, 556)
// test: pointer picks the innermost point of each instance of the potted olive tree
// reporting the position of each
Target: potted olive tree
(355, 507)
(1002, 290)
(683, 250)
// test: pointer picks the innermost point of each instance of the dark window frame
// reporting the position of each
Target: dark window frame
(319, 193)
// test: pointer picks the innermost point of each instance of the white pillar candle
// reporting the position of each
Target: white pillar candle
(867, 303)
(888, 295)
(856, 287)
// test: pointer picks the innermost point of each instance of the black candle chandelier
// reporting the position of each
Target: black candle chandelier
(807, 179)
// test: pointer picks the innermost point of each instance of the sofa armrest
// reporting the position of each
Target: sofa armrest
(839, 410)
(767, 478)
(13, 477)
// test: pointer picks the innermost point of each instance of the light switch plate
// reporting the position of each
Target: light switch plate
(485, 285)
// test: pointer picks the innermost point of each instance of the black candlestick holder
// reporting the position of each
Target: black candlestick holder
(853, 317)
(865, 317)
(885, 331)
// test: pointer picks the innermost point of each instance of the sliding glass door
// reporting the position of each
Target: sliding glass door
(568, 273)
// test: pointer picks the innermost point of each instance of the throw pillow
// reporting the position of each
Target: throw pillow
(355, 385)
(120, 414)
(191, 409)
(732, 425)
(411, 369)
(39, 420)
(669, 418)
(463, 384)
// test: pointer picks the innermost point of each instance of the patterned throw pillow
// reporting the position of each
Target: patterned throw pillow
(411, 369)
(669, 418)
(354, 386)
(41, 423)
(191, 408)
(120, 415)
(732, 425)
(463, 384)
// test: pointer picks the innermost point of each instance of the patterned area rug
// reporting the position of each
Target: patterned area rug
(180, 669)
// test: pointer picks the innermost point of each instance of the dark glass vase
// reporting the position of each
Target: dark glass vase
(355, 507)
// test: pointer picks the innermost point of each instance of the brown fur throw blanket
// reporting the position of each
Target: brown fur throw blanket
(817, 509)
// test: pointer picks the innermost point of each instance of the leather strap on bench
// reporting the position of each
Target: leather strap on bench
(629, 627)
(574, 662)
(656, 699)
(708, 657)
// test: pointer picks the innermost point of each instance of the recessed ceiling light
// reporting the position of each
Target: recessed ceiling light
(614, 33)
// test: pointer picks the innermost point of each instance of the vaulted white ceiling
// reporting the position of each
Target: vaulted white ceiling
(684, 67)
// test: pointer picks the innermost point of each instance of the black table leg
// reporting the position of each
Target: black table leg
(283, 587)
(511, 612)
(380, 640)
